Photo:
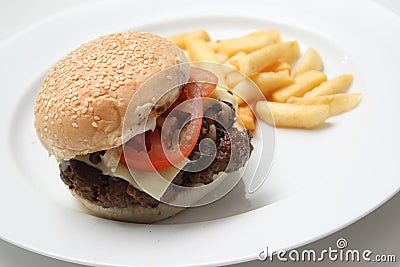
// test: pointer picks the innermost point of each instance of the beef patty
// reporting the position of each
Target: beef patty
(107, 191)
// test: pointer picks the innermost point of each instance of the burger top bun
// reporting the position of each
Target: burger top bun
(83, 100)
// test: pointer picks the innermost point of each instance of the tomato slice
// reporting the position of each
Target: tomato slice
(149, 151)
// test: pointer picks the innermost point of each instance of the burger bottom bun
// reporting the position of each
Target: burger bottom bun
(133, 213)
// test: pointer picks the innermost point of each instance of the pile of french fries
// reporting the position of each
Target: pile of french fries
(261, 69)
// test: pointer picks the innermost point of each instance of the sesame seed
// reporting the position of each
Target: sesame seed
(74, 124)
(96, 118)
(94, 124)
(91, 109)
(74, 117)
(84, 110)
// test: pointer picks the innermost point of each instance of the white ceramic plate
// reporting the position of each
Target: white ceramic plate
(321, 181)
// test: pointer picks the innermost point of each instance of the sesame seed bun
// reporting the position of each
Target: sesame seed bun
(82, 103)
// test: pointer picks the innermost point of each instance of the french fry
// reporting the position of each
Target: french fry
(222, 57)
(338, 103)
(246, 117)
(302, 97)
(278, 66)
(271, 81)
(264, 57)
(310, 61)
(302, 84)
(336, 85)
(246, 91)
(233, 78)
(292, 115)
(179, 39)
(199, 51)
(272, 34)
(234, 60)
(247, 43)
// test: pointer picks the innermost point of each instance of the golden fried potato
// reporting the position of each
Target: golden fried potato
(222, 57)
(199, 51)
(247, 43)
(338, 103)
(233, 78)
(292, 115)
(336, 85)
(310, 61)
(269, 55)
(268, 82)
(179, 39)
(278, 66)
(246, 117)
(302, 84)
(247, 91)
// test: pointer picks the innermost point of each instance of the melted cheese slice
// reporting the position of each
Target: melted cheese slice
(155, 184)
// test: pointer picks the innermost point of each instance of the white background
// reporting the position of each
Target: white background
(378, 232)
